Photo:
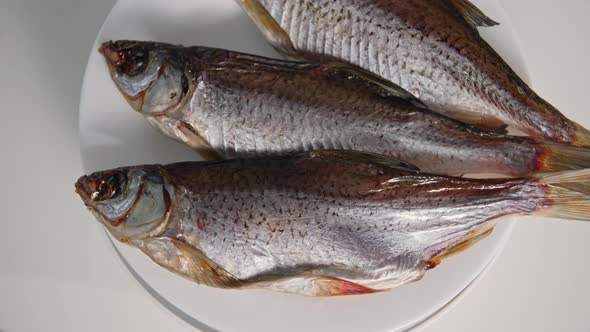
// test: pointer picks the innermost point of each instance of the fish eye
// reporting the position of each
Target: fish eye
(132, 63)
(109, 187)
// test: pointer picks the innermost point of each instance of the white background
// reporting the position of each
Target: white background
(57, 272)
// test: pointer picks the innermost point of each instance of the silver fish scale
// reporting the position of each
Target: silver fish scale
(362, 34)
(252, 232)
(238, 122)
(245, 116)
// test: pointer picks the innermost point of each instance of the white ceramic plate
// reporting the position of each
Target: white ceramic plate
(113, 135)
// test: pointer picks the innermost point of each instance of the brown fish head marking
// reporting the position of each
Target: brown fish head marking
(148, 74)
(132, 203)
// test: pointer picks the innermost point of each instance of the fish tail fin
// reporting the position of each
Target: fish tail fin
(582, 136)
(568, 194)
(553, 157)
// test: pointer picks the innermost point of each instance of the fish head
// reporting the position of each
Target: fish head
(147, 74)
(132, 203)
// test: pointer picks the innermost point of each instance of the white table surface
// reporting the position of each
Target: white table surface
(57, 272)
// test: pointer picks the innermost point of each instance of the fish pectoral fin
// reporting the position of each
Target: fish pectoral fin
(473, 15)
(197, 143)
(377, 83)
(178, 257)
(487, 122)
(365, 157)
(271, 29)
(470, 240)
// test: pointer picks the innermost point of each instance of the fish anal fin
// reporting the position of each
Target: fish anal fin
(473, 15)
(487, 122)
(180, 258)
(470, 240)
(271, 29)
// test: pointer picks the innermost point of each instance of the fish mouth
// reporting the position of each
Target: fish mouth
(81, 188)
(113, 59)
(112, 54)
(84, 189)
(108, 50)
(117, 52)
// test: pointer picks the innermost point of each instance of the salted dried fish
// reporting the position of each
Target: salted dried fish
(320, 224)
(228, 104)
(429, 47)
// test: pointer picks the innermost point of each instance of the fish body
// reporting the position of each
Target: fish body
(320, 223)
(431, 48)
(228, 104)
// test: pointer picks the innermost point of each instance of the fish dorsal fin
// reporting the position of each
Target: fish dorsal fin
(375, 82)
(364, 157)
(473, 15)
(247, 62)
